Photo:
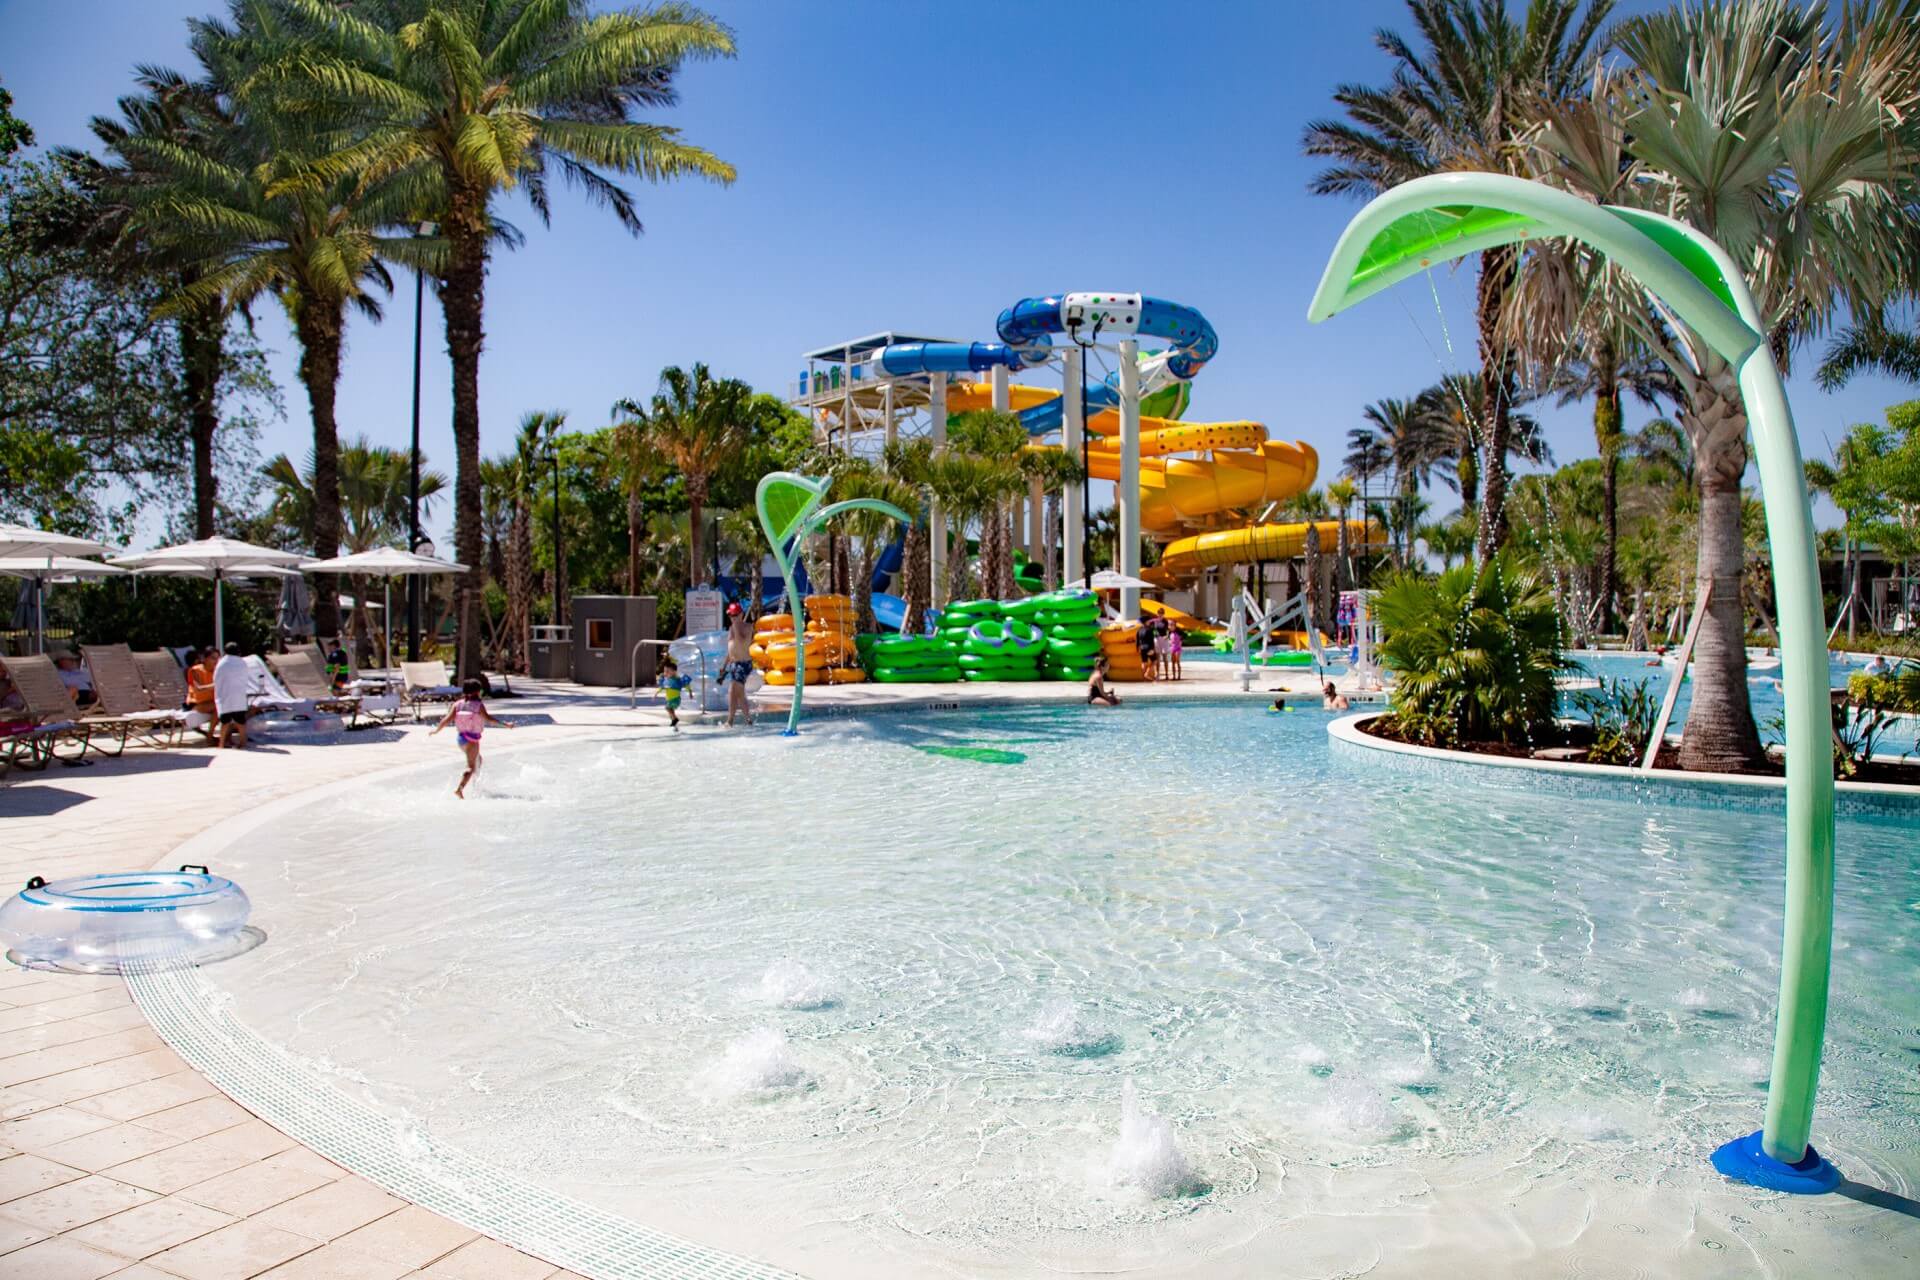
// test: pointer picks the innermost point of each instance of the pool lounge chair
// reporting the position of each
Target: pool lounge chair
(297, 673)
(166, 683)
(426, 682)
(122, 696)
(56, 720)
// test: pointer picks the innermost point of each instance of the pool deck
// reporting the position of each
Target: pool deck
(118, 1159)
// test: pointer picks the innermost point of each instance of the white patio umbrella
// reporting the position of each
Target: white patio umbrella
(25, 540)
(1108, 580)
(387, 563)
(39, 570)
(222, 557)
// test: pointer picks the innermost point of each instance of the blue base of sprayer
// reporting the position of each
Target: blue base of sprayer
(1743, 1160)
(789, 733)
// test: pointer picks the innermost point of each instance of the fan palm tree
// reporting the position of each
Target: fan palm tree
(1458, 102)
(1056, 470)
(455, 103)
(695, 425)
(1454, 405)
(967, 487)
(1788, 139)
(872, 530)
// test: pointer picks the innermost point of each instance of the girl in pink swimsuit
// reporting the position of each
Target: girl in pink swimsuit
(469, 718)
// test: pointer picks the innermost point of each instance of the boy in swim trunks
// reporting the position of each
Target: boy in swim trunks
(470, 718)
(671, 685)
(739, 663)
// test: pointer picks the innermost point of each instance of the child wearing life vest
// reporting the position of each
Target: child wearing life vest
(470, 718)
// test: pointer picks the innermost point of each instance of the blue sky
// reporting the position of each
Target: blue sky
(916, 167)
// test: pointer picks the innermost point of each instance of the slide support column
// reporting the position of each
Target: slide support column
(1127, 495)
(1074, 429)
(937, 523)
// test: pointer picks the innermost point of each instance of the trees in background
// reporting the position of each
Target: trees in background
(1461, 99)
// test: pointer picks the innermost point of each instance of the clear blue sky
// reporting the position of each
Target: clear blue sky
(914, 167)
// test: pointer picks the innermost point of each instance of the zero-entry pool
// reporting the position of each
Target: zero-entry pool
(1163, 990)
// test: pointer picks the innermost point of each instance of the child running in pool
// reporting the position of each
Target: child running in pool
(671, 685)
(470, 718)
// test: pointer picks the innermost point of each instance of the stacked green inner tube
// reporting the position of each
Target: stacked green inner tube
(1002, 649)
(908, 660)
(1071, 621)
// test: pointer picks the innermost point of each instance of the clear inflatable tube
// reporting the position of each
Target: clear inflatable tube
(101, 922)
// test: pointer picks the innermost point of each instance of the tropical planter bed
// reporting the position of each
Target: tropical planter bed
(1573, 741)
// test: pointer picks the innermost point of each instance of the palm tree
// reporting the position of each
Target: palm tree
(192, 116)
(1789, 140)
(1871, 345)
(1340, 496)
(995, 438)
(1410, 436)
(967, 487)
(1453, 403)
(1460, 102)
(695, 425)
(911, 462)
(240, 204)
(872, 530)
(1055, 469)
(458, 102)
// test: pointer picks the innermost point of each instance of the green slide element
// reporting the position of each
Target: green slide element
(1431, 220)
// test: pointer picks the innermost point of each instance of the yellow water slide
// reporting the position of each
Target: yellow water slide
(1244, 470)
(1184, 556)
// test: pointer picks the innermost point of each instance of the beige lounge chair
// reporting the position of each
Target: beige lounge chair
(56, 720)
(123, 696)
(296, 671)
(166, 682)
(425, 682)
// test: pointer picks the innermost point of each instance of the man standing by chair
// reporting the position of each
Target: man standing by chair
(231, 680)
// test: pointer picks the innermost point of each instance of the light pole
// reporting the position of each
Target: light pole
(415, 539)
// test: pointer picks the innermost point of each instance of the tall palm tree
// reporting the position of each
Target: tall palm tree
(1454, 405)
(1458, 102)
(458, 102)
(695, 425)
(911, 462)
(1056, 470)
(967, 487)
(1871, 345)
(871, 530)
(1789, 139)
(996, 439)
(1340, 496)
(1413, 438)
(243, 207)
(190, 115)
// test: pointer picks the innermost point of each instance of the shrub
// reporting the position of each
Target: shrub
(1622, 712)
(1898, 690)
(1474, 652)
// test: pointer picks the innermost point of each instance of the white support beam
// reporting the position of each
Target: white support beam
(1127, 495)
(1074, 428)
(937, 525)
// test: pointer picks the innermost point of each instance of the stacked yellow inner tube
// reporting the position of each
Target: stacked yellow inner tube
(830, 652)
(1120, 647)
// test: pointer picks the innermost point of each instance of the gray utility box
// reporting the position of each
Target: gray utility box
(605, 631)
(552, 655)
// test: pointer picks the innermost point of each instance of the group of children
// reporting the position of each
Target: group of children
(1160, 645)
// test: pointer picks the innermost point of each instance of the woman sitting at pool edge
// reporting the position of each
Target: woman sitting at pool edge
(1098, 690)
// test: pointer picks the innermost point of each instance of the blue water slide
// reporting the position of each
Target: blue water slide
(1032, 321)
(904, 358)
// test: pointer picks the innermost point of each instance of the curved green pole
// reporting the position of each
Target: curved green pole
(1440, 218)
(789, 508)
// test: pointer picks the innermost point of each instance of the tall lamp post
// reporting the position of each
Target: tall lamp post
(415, 539)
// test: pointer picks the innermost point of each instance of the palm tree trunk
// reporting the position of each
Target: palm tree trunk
(957, 558)
(863, 586)
(1050, 542)
(1720, 733)
(463, 303)
(1606, 433)
(202, 348)
(914, 576)
(1311, 552)
(1343, 561)
(1496, 397)
(696, 512)
(318, 328)
(519, 585)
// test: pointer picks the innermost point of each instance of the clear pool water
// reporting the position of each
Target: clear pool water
(1166, 990)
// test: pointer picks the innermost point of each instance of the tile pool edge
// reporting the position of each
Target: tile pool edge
(1662, 786)
(192, 1017)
